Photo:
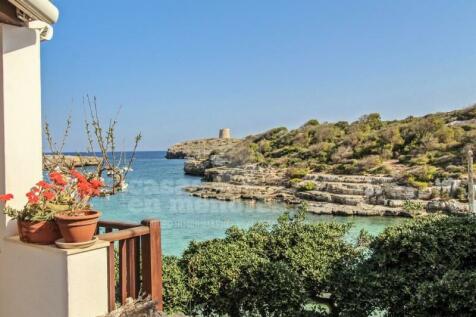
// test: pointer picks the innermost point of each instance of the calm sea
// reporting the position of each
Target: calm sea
(155, 191)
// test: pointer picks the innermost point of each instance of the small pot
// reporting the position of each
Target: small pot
(39, 232)
(78, 228)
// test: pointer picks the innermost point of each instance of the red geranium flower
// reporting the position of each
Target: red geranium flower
(80, 177)
(32, 197)
(44, 185)
(57, 178)
(84, 189)
(96, 183)
(6, 197)
(49, 195)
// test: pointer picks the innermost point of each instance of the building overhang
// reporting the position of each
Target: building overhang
(35, 14)
(40, 10)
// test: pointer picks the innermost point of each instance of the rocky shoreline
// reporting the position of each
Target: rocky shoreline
(50, 161)
(330, 194)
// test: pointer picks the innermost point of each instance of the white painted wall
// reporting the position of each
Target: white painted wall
(48, 282)
(20, 115)
(39, 281)
(87, 282)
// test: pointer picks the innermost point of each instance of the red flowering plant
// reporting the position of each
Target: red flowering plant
(66, 193)
(74, 191)
(37, 207)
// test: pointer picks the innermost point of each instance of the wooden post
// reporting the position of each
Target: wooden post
(470, 182)
(111, 278)
(138, 265)
(123, 276)
(131, 268)
(152, 263)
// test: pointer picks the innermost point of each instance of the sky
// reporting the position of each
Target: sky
(183, 69)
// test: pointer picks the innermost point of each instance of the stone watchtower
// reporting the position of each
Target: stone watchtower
(225, 133)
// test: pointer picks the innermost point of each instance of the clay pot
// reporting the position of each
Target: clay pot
(79, 227)
(39, 232)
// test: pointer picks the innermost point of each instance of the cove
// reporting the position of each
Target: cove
(155, 191)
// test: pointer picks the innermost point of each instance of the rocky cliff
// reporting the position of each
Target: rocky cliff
(367, 167)
(199, 149)
(326, 193)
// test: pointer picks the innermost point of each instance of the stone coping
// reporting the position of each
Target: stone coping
(52, 248)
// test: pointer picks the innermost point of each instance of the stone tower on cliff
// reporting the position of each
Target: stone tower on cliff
(225, 133)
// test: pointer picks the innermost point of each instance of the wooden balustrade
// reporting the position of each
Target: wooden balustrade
(140, 260)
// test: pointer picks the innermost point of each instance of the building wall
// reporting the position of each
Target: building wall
(40, 281)
(20, 116)
(33, 282)
(87, 282)
(43, 281)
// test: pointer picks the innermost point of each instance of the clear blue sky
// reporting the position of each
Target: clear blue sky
(181, 69)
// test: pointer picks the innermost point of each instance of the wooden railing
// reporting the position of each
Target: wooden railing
(140, 260)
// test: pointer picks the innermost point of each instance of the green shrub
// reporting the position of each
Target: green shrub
(261, 271)
(413, 206)
(451, 295)
(264, 146)
(214, 270)
(461, 194)
(420, 177)
(417, 184)
(455, 169)
(368, 164)
(410, 271)
(307, 186)
(364, 238)
(255, 155)
(424, 267)
(177, 295)
(345, 168)
(318, 167)
(274, 289)
(425, 174)
(312, 122)
(294, 182)
(297, 172)
(420, 160)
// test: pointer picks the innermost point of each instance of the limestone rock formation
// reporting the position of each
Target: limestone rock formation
(199, 149)
(331, 194)
(70, 160)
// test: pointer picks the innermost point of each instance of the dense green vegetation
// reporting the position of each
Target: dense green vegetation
(425, 148)
(426, 267)
(423, 268)
(263, 271)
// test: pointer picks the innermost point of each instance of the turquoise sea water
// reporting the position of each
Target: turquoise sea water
(155, 191)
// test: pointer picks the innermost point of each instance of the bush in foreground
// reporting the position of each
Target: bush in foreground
(425, 267)
(262, 271)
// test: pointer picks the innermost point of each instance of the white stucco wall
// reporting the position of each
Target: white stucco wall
(48, 282)
(20, 115)
(39, 281)
(87, 282)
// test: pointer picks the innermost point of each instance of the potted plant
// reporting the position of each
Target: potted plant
(76, 220)
(35, 220)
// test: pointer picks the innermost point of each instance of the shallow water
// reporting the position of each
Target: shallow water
(155, 191)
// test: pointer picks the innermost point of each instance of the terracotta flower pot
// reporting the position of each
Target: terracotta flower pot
(79, 227)
(39, 232)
